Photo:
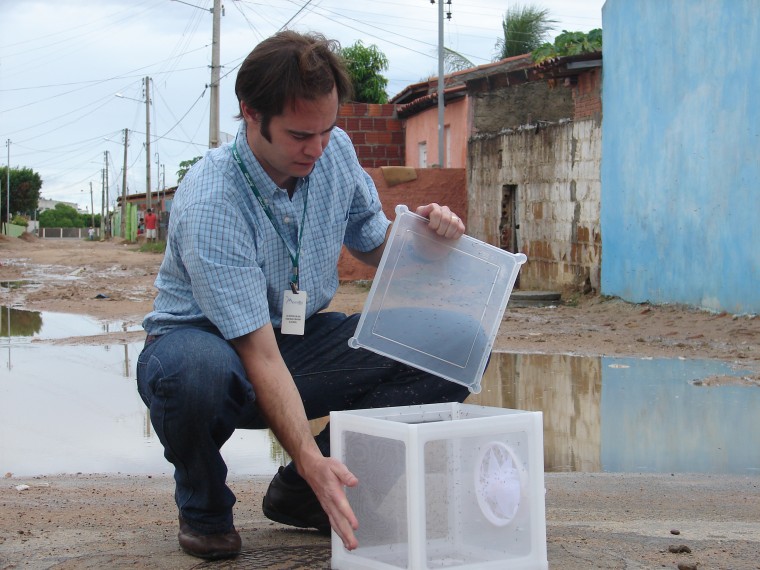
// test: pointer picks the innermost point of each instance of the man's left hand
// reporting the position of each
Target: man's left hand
(442, 220)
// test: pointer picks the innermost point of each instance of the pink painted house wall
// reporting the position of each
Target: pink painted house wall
(423, 128)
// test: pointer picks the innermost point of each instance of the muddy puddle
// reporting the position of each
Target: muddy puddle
(70, 409)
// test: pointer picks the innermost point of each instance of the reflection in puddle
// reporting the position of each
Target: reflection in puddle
(15, 322)
(632, 414)
(48, 326)
(69, 409)
(22, 283)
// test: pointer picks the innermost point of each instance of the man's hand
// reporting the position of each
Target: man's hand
(442, 220)
(327, 477)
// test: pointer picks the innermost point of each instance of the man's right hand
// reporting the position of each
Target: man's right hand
(327, 477)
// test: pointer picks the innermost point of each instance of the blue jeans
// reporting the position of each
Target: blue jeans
(198, 394)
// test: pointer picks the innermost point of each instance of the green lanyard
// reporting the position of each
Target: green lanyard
(294, 257)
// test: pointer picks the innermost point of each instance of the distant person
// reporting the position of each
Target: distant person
(151, 221)
(238, 337)
(91, 233)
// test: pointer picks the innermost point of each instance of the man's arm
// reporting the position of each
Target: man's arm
(280, 403)
(374, 256)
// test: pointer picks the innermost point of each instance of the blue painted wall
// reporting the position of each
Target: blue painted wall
(680, 211)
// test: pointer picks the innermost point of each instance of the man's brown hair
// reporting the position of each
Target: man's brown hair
(289, 66)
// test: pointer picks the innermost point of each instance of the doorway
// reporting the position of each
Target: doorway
(508, 225)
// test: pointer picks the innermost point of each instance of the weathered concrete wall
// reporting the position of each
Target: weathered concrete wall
(445, 186)
(556, 173)
(521, 104)
(681, 168)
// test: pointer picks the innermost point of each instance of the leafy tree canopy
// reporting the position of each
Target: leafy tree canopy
(62, 216)
(569, 43)
(184, 166)
(364, 66)
(524, 28)
(25, 190)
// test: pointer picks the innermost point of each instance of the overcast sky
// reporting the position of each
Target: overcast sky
(63, 62)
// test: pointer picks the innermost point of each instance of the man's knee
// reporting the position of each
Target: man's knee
(196, 369)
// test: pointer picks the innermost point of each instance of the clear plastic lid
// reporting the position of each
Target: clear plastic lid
(436, 304)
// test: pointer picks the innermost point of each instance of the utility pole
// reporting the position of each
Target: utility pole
(8, 189)
(124, 189)
(102, 202)
(213, 126)
(441, 128)
(158, 182)
(147, 140)
(92, 206)
(107, 193)
(213, 123)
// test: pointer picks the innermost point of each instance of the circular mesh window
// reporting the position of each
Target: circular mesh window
(497, 484)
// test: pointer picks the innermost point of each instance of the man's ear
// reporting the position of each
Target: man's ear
(249, 114)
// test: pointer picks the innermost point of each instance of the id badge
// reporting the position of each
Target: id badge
(294, 312)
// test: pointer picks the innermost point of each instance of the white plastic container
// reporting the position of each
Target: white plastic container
(436, 304)
(443, 486)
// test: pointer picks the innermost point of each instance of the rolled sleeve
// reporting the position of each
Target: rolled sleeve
(367, 224)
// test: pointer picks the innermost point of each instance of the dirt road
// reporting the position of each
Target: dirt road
(593, 520)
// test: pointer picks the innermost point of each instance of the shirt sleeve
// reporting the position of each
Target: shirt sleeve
(367, 224)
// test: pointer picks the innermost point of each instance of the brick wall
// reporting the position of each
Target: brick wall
(376, 132)
(587, 95)
(446, 186)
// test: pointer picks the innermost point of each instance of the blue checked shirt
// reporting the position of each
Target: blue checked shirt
(225, 266)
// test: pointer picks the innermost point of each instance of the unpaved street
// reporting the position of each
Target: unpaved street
(594, 520)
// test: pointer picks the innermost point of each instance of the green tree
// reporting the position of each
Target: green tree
(62, 216)
(25, 190)
(184, 166)
(569, 43)
(525, 28)
(364, 65)
(87, 220)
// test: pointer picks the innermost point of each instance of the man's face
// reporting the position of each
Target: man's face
(297, 138)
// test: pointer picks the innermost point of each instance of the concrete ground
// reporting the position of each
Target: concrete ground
(593, 521)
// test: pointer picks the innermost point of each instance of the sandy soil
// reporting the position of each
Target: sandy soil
(593, 520)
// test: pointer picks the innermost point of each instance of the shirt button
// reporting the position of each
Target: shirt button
(286, 219)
